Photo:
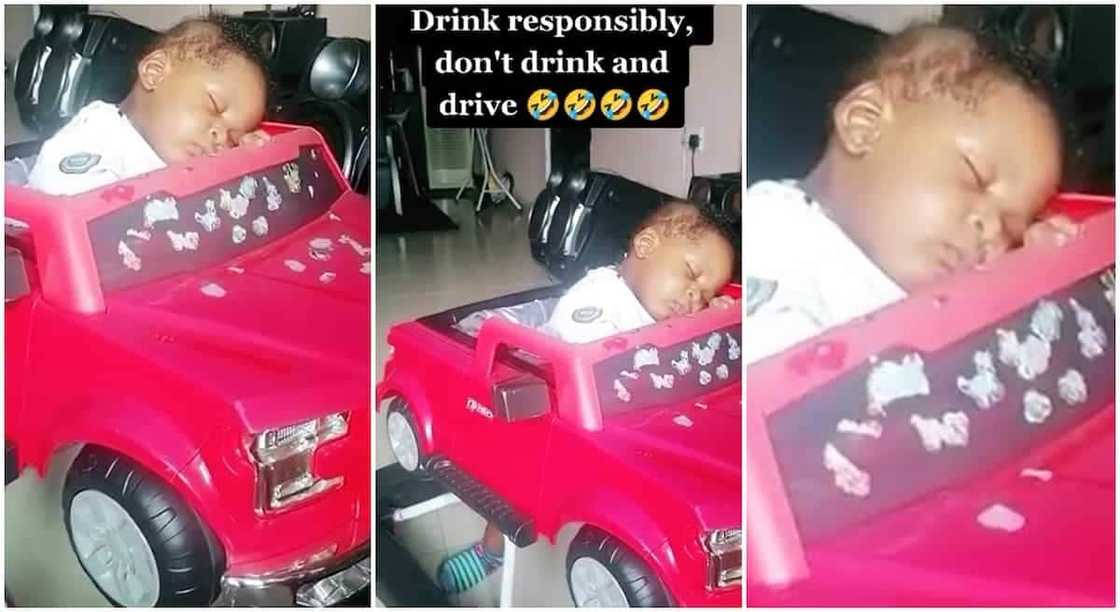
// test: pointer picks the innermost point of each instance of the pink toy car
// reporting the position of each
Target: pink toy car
(635, 439)
(956, 448)
(203, 333)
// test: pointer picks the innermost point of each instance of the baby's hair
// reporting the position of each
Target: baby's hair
(962, 63)
(687, 219)
(211, 40)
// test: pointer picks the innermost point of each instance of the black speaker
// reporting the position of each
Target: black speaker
(287, 40)
(724, 191)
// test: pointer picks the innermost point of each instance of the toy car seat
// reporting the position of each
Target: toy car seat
(74, 58)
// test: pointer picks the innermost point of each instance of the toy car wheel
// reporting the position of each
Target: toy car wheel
(137, 541)
(604, 573)
(404, 440)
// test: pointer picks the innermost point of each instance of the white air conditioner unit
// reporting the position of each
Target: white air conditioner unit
(450, 157)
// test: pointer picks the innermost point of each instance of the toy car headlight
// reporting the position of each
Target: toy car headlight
(284, 458)
(725, 557)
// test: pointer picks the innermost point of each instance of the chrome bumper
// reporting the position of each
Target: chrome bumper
(325, 584)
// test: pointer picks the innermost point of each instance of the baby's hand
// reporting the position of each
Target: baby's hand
(1056, 231)
(256, 137)
(722, 301)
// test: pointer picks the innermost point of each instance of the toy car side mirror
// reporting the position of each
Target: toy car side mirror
(16, 284)
(524, 397)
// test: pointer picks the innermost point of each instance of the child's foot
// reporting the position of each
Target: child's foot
(463, 570)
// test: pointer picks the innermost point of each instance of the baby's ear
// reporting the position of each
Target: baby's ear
(645, 242)
(153, 69)
(858, 119)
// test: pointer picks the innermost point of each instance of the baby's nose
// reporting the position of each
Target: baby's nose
(219, 137)
(695, 300)
(991, 234)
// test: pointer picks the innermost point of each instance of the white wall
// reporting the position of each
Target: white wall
(713, 101)
(522, 153)
(889, 18)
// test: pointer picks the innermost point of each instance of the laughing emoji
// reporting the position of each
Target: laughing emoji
(579, 104)
(653, 104)
(616, 104)
(543, 104)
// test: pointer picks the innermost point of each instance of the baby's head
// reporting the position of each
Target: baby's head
(200, 87)
(679, 257)
(945, 146)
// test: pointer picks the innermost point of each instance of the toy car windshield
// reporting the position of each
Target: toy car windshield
(932, 393)
(187, 216)
(668, 362)
(161, 234)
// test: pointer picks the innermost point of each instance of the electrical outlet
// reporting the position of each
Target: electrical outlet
(690, 134)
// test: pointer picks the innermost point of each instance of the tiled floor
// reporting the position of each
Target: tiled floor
(423, 273)
(39, 566)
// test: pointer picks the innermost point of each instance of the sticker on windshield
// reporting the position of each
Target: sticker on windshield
(318, 255)
(645, 357)
(703, 354)
(870, 427)
(682, 365)
(162, 209)
(846, 475)
(1072, 388)
(722, 372)
(733, 351)
(248, 188)
(951, 430)
(239, 234)
(260, 226)
(895, 380)
(272, 194)
(209, 220)
(291, 176)
(326, 277)
(1029, 357)
(1046, 322)
(621, 391)
(130, 260)
(295, 265)
(1090, 335)
(1036, 407)
(661, 381)
(984, 388)
(235, 206)
(144, 235)
(705, 377)
(184, 241)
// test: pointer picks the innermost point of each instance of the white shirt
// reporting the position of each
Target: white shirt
(97, 147)
(599, 305)
(802, 274)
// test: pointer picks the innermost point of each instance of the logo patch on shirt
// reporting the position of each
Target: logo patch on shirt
(78, 163)
(586, 314)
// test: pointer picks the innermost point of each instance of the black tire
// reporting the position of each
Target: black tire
(189, 560)
(642, 587)
(398, 406)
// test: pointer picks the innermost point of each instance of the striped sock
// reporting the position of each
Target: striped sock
(463, 570)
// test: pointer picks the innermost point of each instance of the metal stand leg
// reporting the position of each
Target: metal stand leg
(509, 559)
(490, 174)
